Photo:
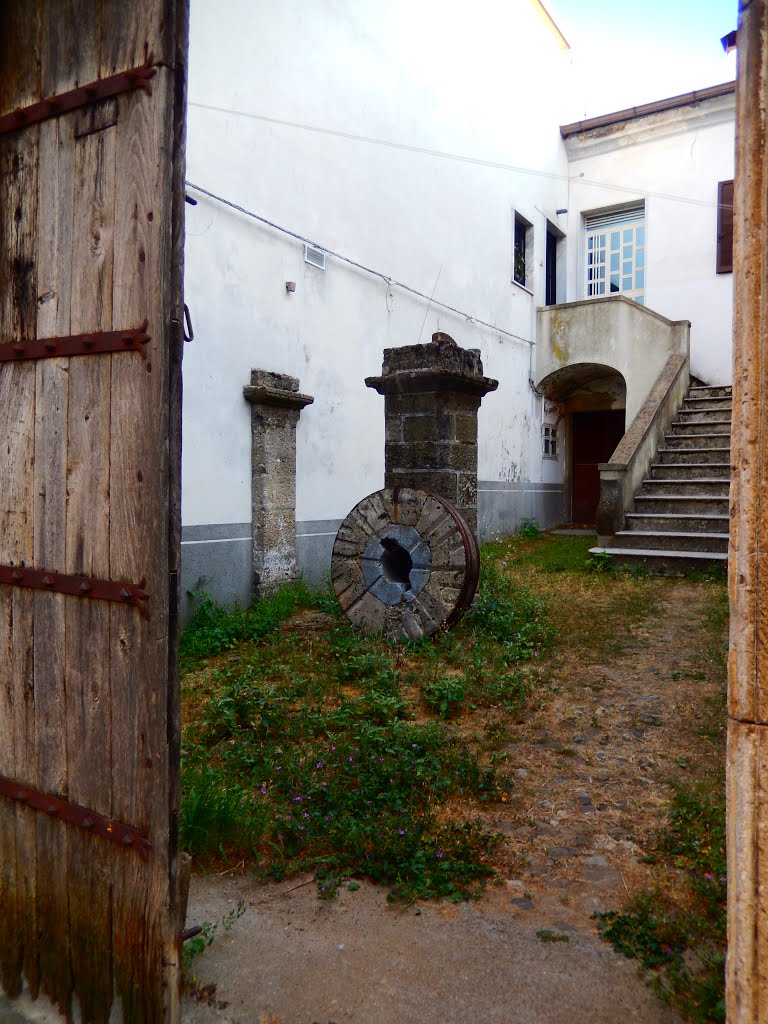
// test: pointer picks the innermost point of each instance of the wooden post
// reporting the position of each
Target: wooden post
(747, 759)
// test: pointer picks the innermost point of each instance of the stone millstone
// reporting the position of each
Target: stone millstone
(404, 564)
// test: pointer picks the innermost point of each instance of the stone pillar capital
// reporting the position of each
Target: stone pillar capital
(275, 389)
(431, 397)
(440, 366)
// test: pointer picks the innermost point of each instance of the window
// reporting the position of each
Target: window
(724, 227)
(522, 255)
(550, 270)
(550, 442)
(615, 254)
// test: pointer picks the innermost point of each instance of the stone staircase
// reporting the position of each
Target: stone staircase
(680, 518)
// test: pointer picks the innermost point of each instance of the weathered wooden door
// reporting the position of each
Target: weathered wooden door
(594, 436)
(91, 233)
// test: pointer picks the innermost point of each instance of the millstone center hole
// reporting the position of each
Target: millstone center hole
(396, 563)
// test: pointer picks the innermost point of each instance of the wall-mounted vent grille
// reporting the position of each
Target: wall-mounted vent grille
(314, 256)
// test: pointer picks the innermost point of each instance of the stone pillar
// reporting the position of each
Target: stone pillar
(431, 397)
(747, 757)
(275, 409)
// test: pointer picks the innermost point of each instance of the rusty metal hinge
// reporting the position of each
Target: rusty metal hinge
(53, 106)
(75, 814)
(97, 343)
(77, 586)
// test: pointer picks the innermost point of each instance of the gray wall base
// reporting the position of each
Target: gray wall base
(217, 559)
(502, 506)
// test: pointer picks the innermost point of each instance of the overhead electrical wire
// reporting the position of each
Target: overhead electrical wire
(391, 282)
(461, 158)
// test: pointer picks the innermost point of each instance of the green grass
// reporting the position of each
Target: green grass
(213, 628)
(303, 752)
(557, 554)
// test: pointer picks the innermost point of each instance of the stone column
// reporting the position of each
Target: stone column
(275, 409)
(431, 397)
(747, 758)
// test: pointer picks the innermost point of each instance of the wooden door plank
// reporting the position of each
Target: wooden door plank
(18, 289)
(128, 40)
(19, 34)
(139, 547)
(175, 336)
(70, 40)
(69, 57)
(89, 722)
(49, 865)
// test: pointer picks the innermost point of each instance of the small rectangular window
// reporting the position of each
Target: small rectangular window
(724, 227)
(522, 253)
(550, 442)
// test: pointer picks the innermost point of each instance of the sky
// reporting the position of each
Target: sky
(627, 53)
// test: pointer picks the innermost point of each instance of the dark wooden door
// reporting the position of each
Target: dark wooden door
(594, 436)
(91, 236)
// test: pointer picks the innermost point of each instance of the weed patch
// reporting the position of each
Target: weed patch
(197, 944)
(509, 615)
(295, 762)
(682, 942)
(213, 628)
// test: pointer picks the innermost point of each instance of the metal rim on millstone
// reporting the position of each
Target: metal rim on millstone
(404, 564)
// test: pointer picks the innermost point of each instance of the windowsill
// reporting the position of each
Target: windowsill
(522, 288)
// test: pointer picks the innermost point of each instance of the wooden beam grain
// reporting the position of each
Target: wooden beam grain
(18, 290)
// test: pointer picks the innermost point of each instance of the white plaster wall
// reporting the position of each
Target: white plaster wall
(673, 161)
(453, 79)
(610, 331)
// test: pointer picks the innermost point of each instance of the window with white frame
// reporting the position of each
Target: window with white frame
(615, 254)
(550, 441)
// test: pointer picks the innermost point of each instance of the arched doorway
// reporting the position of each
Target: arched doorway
(592, 399)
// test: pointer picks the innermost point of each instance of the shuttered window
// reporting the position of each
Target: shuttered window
(725, 227)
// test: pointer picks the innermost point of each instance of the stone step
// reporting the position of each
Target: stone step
(700, 486)
(694, 505)
(664, 562)
(723, 405)
(711, 391)
(689, 470)
(668, 541)
(707, 429)
(697, 442)
(676, 455)
(716, 415)
(677, 522)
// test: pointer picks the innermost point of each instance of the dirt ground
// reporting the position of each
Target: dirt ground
(593, 771)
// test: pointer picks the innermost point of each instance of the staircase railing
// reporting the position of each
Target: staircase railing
(620, 479)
